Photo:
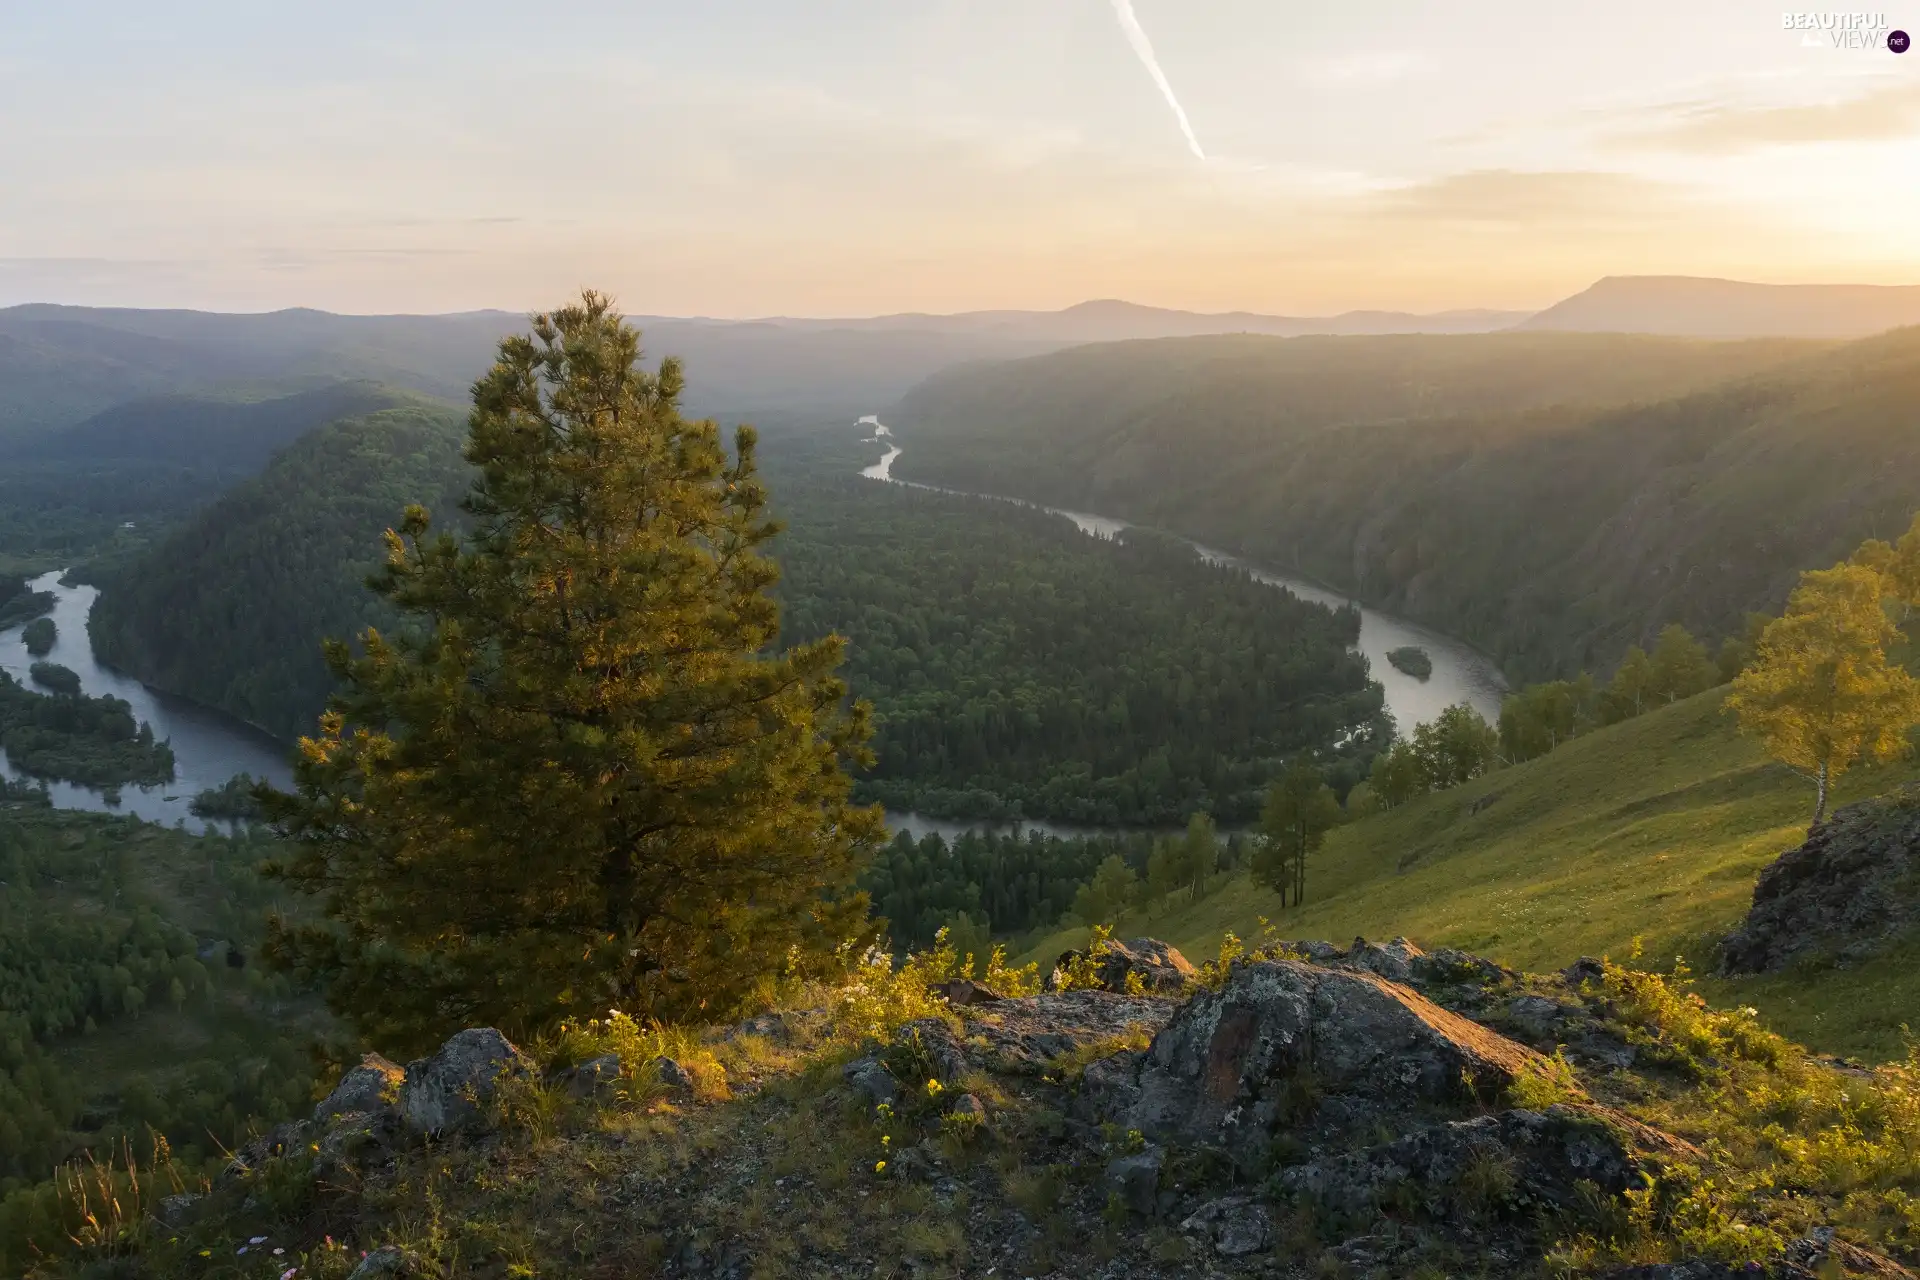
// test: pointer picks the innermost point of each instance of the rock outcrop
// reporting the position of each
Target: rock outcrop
(1158, 967)
(1235, 1066)
(447, 1089)
(1851, 888)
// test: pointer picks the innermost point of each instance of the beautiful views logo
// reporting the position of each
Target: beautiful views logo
(1846, 31)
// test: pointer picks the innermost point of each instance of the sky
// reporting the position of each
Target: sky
(853, 157)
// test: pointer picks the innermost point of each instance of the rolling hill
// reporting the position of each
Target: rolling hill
(301, 536)
(1690, 306)
(1550, 497)
(1652, 829)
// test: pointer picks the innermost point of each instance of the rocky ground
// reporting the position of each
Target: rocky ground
(1307, 1111)
(1853, 887)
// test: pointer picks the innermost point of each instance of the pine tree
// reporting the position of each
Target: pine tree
(1821, 692)
(580, 775)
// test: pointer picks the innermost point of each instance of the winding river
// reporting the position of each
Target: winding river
(1460, 673)
(209, 747)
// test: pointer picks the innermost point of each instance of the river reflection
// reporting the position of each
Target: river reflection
(208, 746)
(1460, 673)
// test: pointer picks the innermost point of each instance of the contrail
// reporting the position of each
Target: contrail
(1143, 48)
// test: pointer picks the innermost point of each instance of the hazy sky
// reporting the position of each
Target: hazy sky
(824, 157)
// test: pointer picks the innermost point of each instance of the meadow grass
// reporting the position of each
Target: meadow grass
(1652, 829)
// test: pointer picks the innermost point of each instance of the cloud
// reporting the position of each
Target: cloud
(1511, 196)
(1887, 112)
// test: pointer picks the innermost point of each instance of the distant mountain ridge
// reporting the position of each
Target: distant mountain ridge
(1698, 307)
(1112, 319)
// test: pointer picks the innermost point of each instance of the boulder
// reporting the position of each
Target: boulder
(1234, 1225)
(1395, 961)
(1135, 1179)
(446, 1090)
(1160, 967)
(596, 1077)
(372, 1086)
(1029, 1035)
(387, 1260)
(1537, 1159)
(1846, 892)
(871, 1080)
(1235, 1065)
(968, 1107)
(964, 993)
(174, 1211)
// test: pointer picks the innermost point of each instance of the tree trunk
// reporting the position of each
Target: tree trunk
(1820, 794)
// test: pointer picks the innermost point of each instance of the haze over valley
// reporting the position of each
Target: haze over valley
(954, 640)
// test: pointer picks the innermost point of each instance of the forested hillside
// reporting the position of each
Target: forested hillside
(1016, 665)
(1552, 503)
(122, 1008)
(1019, 667)
(229, 610)
(113, 482)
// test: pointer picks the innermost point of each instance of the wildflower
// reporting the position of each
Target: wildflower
(289, 1273)
(258, 1240)
(933, 1088)
(880, 1166)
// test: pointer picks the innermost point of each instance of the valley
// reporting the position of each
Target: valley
(1077, 719)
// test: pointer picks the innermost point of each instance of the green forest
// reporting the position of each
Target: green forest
(1552, 498)
(69, 735)
(230, 609)
(1016, 666)
(123, 1012)
(1021, 668)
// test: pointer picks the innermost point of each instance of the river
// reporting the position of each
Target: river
(208, 746)
(1460, 673)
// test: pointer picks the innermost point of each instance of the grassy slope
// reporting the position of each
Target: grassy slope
(1654, 829)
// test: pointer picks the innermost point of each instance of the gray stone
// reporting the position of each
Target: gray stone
(1537, 1016)
(372, 1086)
(871, 1080)
(387, 1260)
(1549, 1154)
(671, 1074)
(929, 1045)
(1236, 1065)
(1394, 962)
(1136, 1178)
(596, 1077)
(1160, 967)
(1234, 1225)
(174, 1211)
(1027, 1036)
(446, 1090)
(1843, 894)
(969, 1107)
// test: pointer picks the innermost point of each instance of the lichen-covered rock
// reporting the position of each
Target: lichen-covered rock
(1233, 1065)
(926, 1049)
(1135, 1179)
(964, 993)
(1515, 1160)
(1234, 1225)
(1852, 887)
(372, 1086)
(447, 1089)
(387, 1260)
(871, 1080)
(175, 1210)
(1160, 968)
(1395, 961)
(594, 1078)
(1028, 1036)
